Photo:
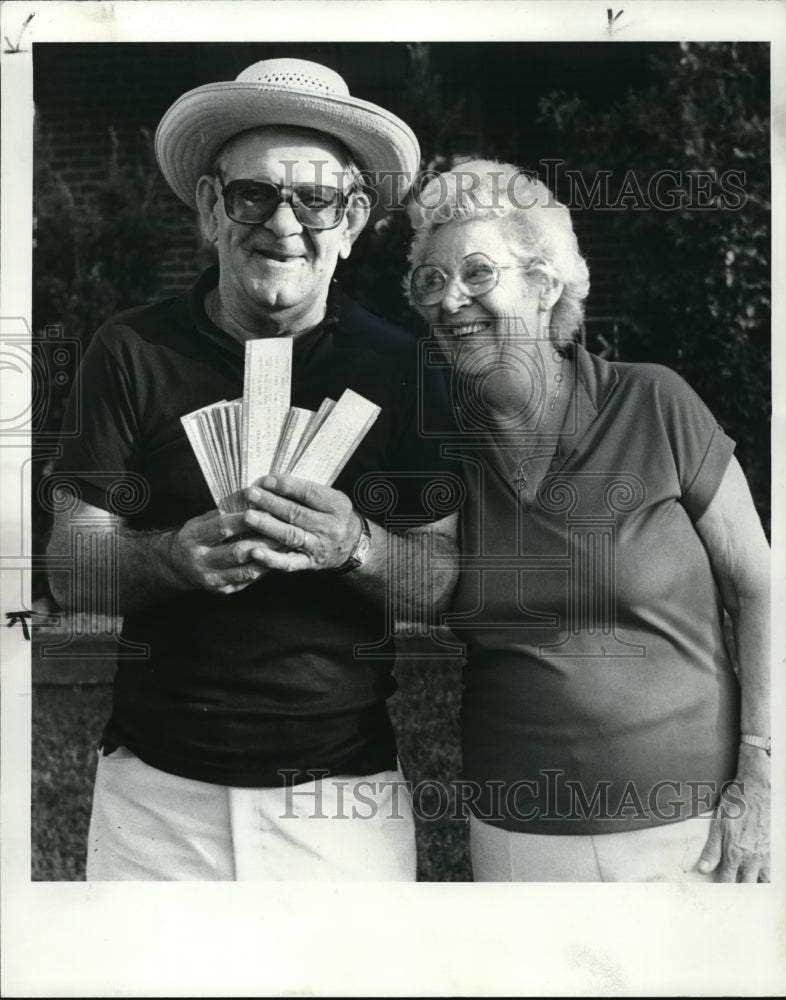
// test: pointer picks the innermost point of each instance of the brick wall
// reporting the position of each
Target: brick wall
(84, 90)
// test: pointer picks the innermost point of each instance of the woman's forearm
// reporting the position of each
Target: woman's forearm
(751, 621)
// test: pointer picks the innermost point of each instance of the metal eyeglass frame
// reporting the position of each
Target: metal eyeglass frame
(432, 298)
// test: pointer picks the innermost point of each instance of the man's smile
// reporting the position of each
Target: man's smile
(279, 257)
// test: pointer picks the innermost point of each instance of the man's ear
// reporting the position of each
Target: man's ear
(207, 203)
(356, 218)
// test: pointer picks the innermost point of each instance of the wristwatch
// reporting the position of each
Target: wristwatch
(762, 742)
(359, 553)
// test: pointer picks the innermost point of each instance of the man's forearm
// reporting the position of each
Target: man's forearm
(413, 570)
(132, 569)
(148, 571)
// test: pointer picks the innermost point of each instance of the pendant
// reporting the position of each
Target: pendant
(521, 478)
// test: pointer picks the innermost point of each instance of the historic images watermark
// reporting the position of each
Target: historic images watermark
(548, 796)
(664, 190)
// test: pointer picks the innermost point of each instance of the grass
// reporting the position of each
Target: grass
(425, 715)
(67, 723)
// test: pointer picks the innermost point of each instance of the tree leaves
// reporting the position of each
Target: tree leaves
(695, 292)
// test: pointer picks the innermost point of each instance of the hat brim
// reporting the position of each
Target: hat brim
(198, 124)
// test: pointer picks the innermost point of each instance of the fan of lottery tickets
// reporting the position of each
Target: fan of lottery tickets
(237, 441)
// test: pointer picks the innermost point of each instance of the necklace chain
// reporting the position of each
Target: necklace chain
(521, 478)
(210, 305)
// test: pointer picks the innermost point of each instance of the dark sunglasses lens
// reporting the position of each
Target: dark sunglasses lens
(254, 202)
(250, 201)
(427, 284)
(316, 206)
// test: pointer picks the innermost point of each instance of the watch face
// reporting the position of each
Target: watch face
(361, 549)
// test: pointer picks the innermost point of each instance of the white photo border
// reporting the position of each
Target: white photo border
(79, 939)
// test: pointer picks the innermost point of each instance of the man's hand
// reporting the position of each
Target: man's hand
(315, 526)
(207, 553)
(212, 552)
(738, 845)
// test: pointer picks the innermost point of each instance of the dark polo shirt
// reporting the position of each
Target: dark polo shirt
(599, 694)
(238, 687)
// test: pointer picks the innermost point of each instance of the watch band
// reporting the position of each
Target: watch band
(358, 554)
(762, 742)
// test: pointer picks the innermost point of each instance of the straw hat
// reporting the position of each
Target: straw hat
(278, 92)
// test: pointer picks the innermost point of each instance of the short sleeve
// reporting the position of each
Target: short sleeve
(708, 477)
(700, 449)
(100, 406)
(427, 485)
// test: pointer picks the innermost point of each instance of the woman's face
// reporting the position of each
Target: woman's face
(494, 340)
(510, 306)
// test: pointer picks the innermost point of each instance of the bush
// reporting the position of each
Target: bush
(99, 252)
(695, 290)
(373, 274)
(94, 253)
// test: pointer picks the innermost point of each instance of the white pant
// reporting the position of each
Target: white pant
(148, 825)
(665, 853)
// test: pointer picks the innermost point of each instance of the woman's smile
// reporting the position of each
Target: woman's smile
(466, 328)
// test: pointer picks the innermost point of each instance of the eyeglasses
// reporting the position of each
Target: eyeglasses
(476, 275)
(253, 202)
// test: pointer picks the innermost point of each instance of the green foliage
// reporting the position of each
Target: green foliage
(695, 289)
(98, 253)
(373, 274)
(93, 254)
(425, 715)
(67, 722)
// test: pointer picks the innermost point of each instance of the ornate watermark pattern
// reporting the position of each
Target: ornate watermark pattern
(586, 506)
(92, 563)
(35, 374)
(409, 605)
(30, 369)
(468, 365)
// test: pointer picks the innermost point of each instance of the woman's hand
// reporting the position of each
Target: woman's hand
(738, 845)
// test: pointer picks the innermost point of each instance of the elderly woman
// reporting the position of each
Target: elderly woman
(606, 734)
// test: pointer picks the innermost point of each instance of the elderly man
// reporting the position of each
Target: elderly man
(252, 742)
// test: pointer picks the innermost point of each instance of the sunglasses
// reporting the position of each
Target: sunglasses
(476, 275)
(315, 206)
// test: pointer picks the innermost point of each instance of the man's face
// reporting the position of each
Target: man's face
(279, 264)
